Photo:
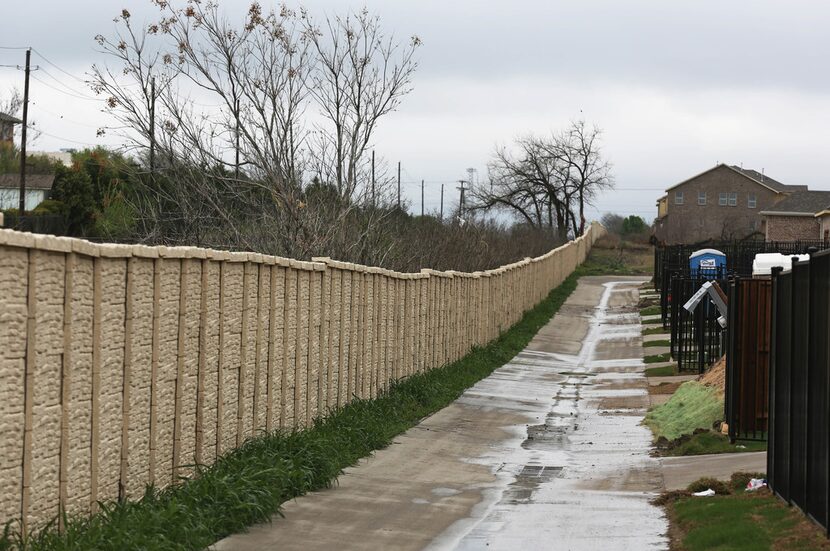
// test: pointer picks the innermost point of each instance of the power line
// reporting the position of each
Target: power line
(14, 47)
(39, 131)
(71, 89)
(64, 91)
(61, 117)
(57, 67)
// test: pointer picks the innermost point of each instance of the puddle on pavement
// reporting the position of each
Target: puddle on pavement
(528, 480)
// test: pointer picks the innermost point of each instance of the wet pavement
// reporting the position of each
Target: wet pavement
(546, 453)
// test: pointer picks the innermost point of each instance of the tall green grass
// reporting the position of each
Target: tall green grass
(249, 484)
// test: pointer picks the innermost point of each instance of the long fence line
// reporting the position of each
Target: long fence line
(122, 365)
(798, 456)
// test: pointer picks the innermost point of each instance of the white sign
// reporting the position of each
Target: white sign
(708, 264)
(697, 297)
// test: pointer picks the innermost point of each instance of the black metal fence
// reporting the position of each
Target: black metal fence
(53, 224)
(748, 345)
(696, 337)
(739, 254)
(798, 456)
(671, 261)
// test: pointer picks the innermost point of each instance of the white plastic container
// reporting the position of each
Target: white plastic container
(763, 263)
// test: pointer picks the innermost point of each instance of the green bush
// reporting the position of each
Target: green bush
(49, 206)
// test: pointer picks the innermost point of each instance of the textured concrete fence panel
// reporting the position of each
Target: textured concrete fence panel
(121, 366)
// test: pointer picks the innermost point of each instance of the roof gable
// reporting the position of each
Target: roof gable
(751, 175)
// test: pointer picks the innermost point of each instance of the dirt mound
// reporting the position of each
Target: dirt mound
(716, 376)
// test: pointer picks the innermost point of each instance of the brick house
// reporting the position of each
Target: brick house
(722, 203)
(802, 215)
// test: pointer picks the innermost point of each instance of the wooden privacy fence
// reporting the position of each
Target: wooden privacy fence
(121, 365)
(748, 346)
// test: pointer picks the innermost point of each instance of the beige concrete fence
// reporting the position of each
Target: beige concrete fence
(121, 365)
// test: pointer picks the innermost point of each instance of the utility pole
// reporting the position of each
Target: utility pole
(442, 201)
(399, 185)
(422, 197)
(461, 199)
(22, 207)
(236, 114)
(152, 125)
(374, 204)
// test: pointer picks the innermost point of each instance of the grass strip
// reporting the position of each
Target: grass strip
(708, 442)
(656, 343)
(657, 358)
(248, 485)
(738, 520)
(655, 330)
(662, 371)
(651, 310)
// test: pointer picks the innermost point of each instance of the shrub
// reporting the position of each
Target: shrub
(49, 206)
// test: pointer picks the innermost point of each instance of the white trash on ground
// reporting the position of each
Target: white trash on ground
(705, 493)
(755, 483)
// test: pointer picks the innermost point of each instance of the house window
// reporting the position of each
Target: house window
(678, 197)
(751, 201)
(701, 197)
(733, 199)
(722, 199)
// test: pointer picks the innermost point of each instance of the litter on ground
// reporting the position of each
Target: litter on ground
(755, 483)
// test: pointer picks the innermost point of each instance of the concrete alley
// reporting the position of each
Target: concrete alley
(546, 453)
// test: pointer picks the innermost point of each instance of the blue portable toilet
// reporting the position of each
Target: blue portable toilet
(707, 263)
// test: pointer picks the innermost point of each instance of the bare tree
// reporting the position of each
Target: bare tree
(613, 222)
(589, 173)
(547, 182)
(291, 111)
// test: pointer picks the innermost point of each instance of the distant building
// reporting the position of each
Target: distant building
(722, 203)
(7, 123)
(38, 188)
(803, 215)
(64, 156)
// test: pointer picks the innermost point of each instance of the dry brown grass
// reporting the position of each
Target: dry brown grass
(716, 375)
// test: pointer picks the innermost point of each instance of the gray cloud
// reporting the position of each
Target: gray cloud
(677, 86)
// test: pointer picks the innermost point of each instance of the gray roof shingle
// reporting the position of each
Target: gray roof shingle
(766, 180)
(4, 117)
(33, 181)
(803, 202)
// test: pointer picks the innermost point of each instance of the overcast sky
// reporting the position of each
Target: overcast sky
(676, 86)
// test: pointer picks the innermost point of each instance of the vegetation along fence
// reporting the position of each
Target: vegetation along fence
(120, 365)
(748, 346)
(798, 458)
